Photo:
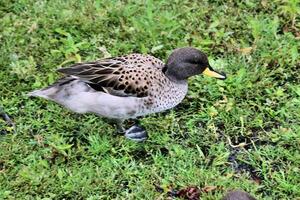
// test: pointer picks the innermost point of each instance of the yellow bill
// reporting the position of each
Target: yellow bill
(210, 72)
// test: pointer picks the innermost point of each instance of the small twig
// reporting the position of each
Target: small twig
(236, 146)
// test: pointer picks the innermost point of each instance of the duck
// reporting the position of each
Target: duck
(129, 86)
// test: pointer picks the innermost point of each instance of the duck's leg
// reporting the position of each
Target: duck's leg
(136, 133)
(119, 126)
(117, 123)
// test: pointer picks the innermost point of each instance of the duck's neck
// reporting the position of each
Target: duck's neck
(174, 79)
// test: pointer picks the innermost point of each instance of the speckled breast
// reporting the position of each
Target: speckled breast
(164, 95)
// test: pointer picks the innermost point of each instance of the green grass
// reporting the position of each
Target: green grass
(241, 133)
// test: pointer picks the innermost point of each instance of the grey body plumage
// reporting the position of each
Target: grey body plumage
(127, 86)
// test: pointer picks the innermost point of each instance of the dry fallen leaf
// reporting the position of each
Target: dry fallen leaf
(39, 139)
(246, 50)
(209, 188)
(264, 3)
(104, 51)
(33, 27)
(257, 180)
(189, 193)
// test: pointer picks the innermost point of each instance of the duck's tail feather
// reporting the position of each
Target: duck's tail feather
(51, 91)
(44, 93)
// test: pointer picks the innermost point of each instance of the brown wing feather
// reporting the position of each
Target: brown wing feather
(121, 76)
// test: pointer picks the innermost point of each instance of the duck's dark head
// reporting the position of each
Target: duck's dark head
(186, 62)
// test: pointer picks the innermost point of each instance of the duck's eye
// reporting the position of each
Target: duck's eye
(164, 69)
(193, 61)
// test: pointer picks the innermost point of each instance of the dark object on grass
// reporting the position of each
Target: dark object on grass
(188, 193)
(238, 195)
(6, 118)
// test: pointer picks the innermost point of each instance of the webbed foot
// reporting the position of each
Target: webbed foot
(136, 133)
